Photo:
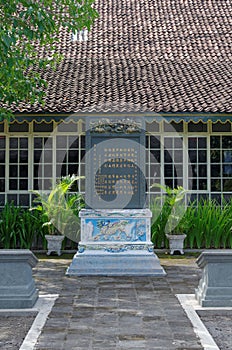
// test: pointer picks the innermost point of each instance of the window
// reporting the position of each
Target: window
(82, 162)
(197, 127)
(221, 163)
(43, 127)
(16, 127)
(153, 127)
(221, 127)
(2, 163)
(43, 163)
(35, 160)
(173, 127)
(69, 126)
(153, 170)
(173, 161)
(197, 152)
(67, 155)
(164, 161)
(18, 163)
(18, 171)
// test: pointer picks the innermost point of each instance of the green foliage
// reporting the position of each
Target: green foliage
(59, 208)
(210, 226)
(18, 227)
(30, 228)
(168, 218)
(206, 224)
(56, 212)
(24, 25)
(23, 228)
(160, 217)
(9, 226)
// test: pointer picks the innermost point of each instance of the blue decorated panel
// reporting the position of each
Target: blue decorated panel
(105, 229)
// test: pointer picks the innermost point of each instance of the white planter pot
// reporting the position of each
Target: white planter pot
(176, 243)
(54, 244)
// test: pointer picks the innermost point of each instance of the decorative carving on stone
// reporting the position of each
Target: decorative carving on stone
(126, 213)
(126, 126)
(117, 230)
(115, 248)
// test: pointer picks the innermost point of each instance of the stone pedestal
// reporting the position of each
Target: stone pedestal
(215, 286)
(115, 243)
(17, 287)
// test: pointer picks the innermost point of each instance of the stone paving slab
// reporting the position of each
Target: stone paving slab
(97, 313)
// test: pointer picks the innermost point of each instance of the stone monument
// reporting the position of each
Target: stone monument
(115, 226)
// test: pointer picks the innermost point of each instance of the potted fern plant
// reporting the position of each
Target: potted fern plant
(170, 220)
(59, 210)
(176, 239)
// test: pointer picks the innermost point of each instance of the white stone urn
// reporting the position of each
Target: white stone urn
(54, 244)
(176, 243)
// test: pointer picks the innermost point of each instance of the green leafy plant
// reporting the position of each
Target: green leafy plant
(25, 25)
(29, 228)
(59, 208)
(18, 227)
(227, 237)
(169, 218)
(209, 224)
(9, 226)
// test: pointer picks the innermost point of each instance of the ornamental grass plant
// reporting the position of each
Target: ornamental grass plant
(22, 228)
(18, 227)
(209, 225)
(206, 224)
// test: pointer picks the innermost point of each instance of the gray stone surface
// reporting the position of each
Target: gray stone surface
(215, 286)
(149, 316)
(115, 163)
(115, 243)
(17, 287)
(117, 312)
(115, 264)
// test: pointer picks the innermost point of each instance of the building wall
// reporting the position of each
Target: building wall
(196, 156)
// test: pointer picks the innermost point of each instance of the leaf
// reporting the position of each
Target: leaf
(29, 23)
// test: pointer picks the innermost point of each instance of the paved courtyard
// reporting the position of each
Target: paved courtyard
(117, 313)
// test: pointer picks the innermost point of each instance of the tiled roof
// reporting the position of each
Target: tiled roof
(146, 55)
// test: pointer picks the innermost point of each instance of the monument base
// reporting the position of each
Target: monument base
(115, 243)
(215, 286)
(115, 264)
(17, 286)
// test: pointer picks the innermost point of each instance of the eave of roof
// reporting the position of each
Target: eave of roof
(149, 117)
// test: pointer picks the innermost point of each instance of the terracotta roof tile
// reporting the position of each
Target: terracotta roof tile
(146, 55)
